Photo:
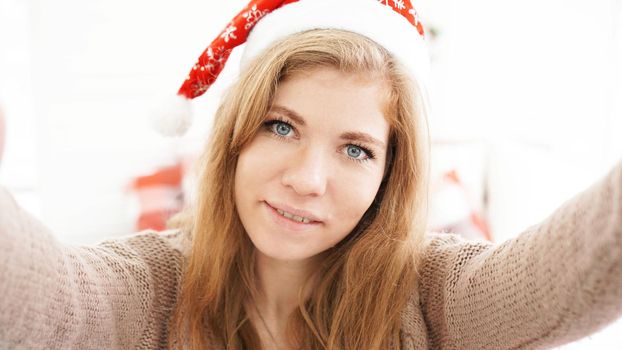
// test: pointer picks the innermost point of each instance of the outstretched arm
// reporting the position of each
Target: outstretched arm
(556, 282)
(116, 295)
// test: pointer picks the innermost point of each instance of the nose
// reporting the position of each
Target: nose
(306, 172)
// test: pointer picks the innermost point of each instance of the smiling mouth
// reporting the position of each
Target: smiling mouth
(300, 216)
(293, 217)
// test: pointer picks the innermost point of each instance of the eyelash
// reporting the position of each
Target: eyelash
(370, 154)
(269, 124)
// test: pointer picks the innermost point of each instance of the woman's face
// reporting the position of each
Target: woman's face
(313, 169)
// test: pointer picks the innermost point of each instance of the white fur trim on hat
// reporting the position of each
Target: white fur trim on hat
(174, 116)
(366, 17)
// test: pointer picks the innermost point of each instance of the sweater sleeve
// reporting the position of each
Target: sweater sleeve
(556, 282)
(116, 295)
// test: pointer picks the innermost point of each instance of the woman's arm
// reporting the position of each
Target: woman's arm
(117, 295)
(556, 282)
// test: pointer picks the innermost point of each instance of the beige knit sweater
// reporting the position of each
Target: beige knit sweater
(556, 282)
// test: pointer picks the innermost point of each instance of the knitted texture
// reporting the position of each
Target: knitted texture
(116, 295)
(554, 283)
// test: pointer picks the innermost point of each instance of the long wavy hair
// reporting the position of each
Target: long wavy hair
(366, 280)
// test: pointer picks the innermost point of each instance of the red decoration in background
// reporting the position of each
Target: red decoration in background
(160, 196)
(475, 219)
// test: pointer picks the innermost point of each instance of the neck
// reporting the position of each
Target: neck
(279, 283)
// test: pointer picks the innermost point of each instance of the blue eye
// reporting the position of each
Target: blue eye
(281, 128)
(355, 152)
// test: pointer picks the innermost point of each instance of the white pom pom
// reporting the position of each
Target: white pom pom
(174, 117)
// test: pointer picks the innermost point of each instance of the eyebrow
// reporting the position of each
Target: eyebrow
(361, 136)
(288, 113)
(348, 136)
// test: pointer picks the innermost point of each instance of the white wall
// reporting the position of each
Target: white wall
(539, 82)
(19, 167)
(94, 73)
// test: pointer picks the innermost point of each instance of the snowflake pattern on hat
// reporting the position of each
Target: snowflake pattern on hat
(253, 15)
(405, 8)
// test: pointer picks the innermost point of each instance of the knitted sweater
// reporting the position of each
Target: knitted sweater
(556, 282)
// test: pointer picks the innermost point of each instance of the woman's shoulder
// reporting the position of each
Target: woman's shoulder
(443, 254)
(445, 257)
(441, 244)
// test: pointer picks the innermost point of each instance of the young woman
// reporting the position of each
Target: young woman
(308, 230)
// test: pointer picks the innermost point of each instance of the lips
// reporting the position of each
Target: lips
(291, 216)
(295, 215)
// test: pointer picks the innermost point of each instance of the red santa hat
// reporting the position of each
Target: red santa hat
(393, 24)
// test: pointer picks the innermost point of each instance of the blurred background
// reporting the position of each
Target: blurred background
(526, 110)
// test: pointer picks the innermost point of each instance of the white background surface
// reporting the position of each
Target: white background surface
(536, 85)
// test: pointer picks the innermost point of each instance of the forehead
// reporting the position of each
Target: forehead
(331, 98)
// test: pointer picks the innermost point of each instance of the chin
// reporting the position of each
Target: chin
(283, 253)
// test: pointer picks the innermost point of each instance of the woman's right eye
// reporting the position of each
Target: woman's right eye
(280, 128)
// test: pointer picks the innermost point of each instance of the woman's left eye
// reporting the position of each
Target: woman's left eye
(358, 153)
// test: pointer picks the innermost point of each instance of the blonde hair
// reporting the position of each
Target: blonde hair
(367, 279)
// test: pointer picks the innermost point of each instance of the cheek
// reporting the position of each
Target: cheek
(244, 181)
(257, 170)
(355, 194)
(254, 165)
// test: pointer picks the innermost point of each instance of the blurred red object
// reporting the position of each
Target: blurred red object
(160, 196)
(455, 210)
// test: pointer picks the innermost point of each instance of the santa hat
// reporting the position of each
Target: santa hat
(393, 24)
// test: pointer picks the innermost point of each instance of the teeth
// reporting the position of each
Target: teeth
(293, 217)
